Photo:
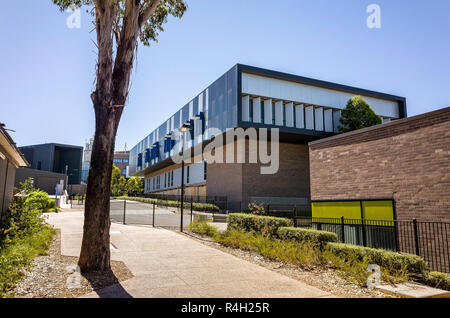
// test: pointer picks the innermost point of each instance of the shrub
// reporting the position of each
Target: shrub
(300, 234)
(38, 200)
(298, 253)
(438, 280)
(256, 209)
(387, 259)
(265, 225)
(203, 228)
(201, 207)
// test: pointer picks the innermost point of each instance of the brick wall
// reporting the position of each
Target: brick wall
(408, 160)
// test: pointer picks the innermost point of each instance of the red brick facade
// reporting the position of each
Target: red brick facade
(408, 160)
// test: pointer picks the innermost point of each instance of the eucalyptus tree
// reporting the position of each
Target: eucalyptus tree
(120, 25)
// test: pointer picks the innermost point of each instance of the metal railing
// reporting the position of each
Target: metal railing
(429, 240)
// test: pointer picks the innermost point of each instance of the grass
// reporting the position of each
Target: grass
(303, 254)
(17, 255)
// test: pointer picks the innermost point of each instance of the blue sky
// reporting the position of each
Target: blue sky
(48, 70)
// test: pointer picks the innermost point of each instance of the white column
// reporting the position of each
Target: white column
(268, 111)
(245, 108)
(299, 116)
(191, 109)
(309, 117)
(328, 118)
(290, 114)
(336, 122)
(257, 110)
(279, 113)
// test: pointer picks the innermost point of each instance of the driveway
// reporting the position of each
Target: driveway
(168, 264)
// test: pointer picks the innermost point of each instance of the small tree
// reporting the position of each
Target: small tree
(357, 114)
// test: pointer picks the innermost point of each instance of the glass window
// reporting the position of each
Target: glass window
(204, 170)
(262, 111)
(250, 110)
(273, 113)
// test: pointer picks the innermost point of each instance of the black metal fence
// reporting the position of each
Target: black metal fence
(219, 201)
(429, 240)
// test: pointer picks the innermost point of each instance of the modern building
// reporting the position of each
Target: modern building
(57, 158)
(121, 160)
(10, 159)
(85, 165)
(303, 109)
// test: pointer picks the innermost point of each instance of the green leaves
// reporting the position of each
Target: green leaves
(151, 27)
(357, 114)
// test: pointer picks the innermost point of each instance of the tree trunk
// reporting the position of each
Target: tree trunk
(109, 99)
(95, 249)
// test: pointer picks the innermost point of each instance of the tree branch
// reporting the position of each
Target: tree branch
(148, 12)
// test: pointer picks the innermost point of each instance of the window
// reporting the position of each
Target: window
(204, 170)
(124, 172)
(262, 111)
(250, 110)
(125, 160)
(39, 165)
(171, 178)
(273, 113)
(284, 114)
(187, 174)
(165, 180)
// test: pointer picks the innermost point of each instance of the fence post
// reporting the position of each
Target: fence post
(153, 220)
(342, 229)
(124, 210)
(364, 232)
(192, 206)
(416, 237)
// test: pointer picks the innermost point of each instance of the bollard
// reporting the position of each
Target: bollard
(192, 205)
(124, 210)
(153, 221)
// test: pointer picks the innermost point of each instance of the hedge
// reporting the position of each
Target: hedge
(201, 207)
(438, 280)
(310, 235)
(387, 259)
(266, 225)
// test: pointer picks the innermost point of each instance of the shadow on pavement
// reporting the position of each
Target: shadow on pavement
(106, 285)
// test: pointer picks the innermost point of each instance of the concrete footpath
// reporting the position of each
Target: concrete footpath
(168, 264)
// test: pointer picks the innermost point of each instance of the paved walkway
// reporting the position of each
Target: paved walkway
(168, 264)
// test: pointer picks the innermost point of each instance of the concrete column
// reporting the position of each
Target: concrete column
(279, 113)
(268, 111)
(257, 110)
(318, 117)
(328, 118)
(290, 114)
(309, 117)
(299, 116)
(245, 108)
(336, 122)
